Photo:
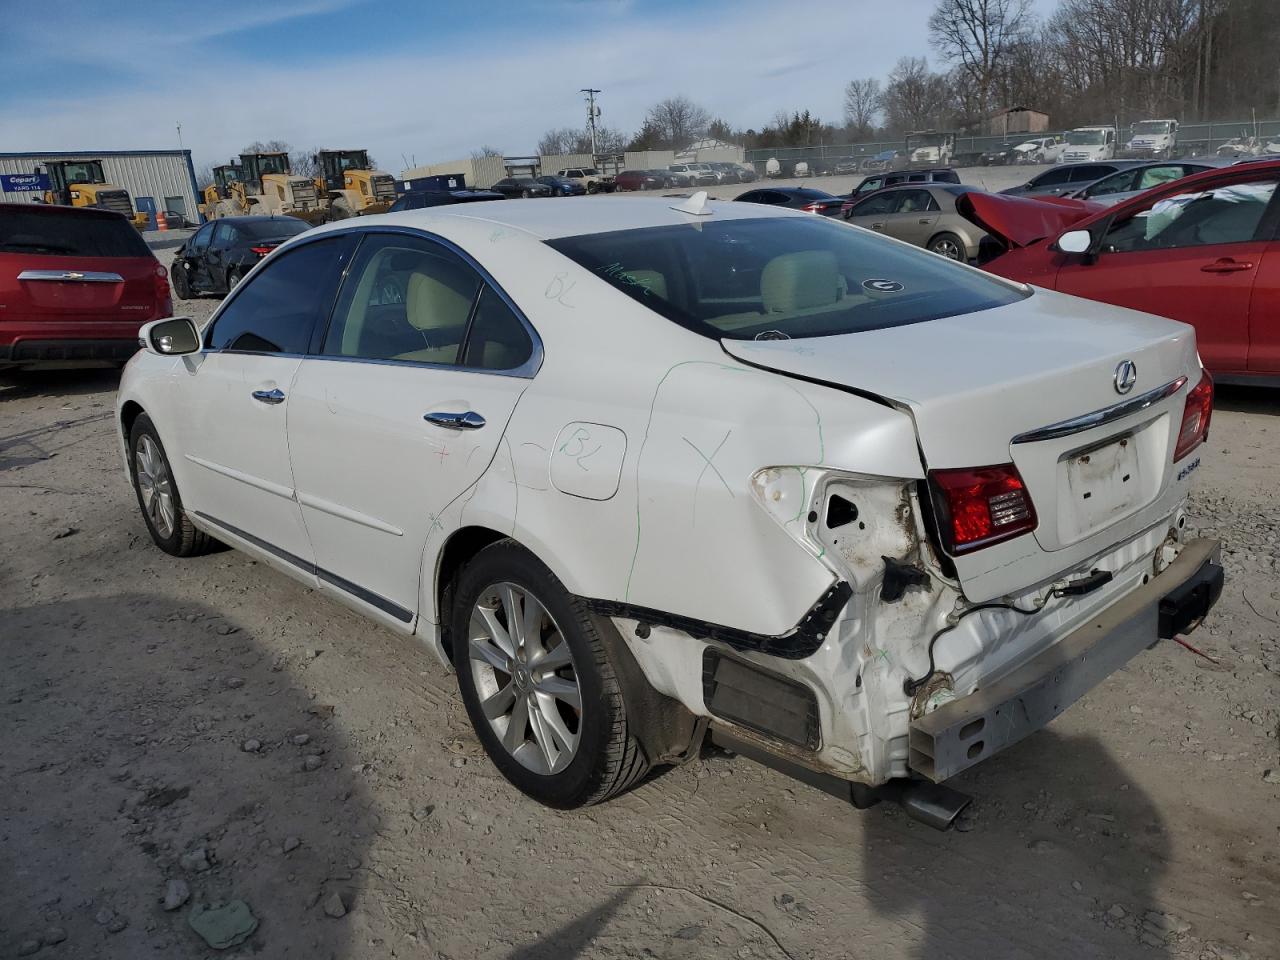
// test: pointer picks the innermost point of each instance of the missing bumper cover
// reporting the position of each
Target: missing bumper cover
(803, 640)
(742, 693)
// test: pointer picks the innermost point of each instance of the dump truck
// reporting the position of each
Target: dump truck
(268, 186)
(81, 183)
(351, 185)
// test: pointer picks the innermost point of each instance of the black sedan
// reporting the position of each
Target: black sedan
(798, 198)
(563, 186)
(511, 187)
(219, 254)
(421, 199)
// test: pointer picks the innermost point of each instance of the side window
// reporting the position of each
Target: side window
(876, 206)
(1116, 183)
(1053, 177)
(1084, 172)
(404, 299)
(223, 235)
(498, 340)
(873, 184)
(913, 201)
(200, 242)
(1154, 176)
(1225, 214)
(278, 309)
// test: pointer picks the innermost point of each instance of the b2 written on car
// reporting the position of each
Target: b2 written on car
(1202, 249)
(868, 572)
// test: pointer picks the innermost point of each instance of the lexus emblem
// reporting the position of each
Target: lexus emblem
(1126, 376)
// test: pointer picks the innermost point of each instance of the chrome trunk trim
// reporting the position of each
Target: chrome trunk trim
(72, 276)
(1087, 421)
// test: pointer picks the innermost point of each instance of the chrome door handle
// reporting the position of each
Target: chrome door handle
(926, 220)
(275, 395)
(455, 421)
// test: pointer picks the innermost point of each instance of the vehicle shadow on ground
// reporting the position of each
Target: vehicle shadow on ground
(1265, 400)
(1062, 857)
(130, 763)
(56, 384)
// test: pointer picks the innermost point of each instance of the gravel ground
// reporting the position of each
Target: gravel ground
(208, 731)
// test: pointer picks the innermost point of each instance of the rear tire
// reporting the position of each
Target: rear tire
(158, 497)
(550, 677)
(234, 277)
(948, 245)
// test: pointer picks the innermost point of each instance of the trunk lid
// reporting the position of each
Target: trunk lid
(979, 386)
(1021, 221)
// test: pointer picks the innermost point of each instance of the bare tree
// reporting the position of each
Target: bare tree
(678, 120)
(557, 141)
(861, 104)
(485, 151)
(915, 98)
(976, 35)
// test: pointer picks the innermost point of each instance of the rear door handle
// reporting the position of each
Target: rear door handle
(926, 219)
(275, 395)
(455, 421)
(1226, 265)
(877, 226)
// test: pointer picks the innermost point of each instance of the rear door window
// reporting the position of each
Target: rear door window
(1231, 213)
(1051, 178)
(69, 234)
(279, 307)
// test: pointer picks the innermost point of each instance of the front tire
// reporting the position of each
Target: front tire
(537, 682)
(181, 285)
(158, 497)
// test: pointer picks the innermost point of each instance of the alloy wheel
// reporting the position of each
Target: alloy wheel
(155, 486)
(947, 248)
(525, 678)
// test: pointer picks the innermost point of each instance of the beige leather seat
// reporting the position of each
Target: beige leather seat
(432, 306)
(801, 281)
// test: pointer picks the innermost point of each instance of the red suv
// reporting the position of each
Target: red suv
(75, 285)
(1204, 249)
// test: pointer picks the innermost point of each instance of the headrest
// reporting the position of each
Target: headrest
(799, 281)
(432, 305)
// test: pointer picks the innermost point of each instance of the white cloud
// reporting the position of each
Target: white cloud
(494, 88)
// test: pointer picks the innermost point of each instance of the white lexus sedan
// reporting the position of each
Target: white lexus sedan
(647, 471)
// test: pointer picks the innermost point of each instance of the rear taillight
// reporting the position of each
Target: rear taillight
(845, 209)
(1195, 417)
(262, 251)
(164, 295)
(979, 506)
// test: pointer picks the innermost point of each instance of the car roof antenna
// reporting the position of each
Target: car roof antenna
(696, 205)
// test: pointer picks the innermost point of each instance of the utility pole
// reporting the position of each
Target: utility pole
(179, 135)
(592, 112)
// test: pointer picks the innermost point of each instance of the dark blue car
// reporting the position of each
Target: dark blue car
(563, 186)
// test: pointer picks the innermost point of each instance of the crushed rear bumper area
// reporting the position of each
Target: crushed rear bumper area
(967, 731)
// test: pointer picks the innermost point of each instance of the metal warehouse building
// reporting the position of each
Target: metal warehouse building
(157, 180)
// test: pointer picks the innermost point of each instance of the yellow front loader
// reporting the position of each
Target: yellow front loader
(266, 185)
(81, 183)
(352, 186)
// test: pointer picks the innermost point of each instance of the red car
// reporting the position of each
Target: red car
(1204, 250)
(76, 283)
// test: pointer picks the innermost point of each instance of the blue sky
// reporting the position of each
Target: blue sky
(421, 80)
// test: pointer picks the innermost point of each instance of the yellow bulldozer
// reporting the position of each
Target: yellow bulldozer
(267, 185)
(352, 186)
(220, 189)
(81, 183)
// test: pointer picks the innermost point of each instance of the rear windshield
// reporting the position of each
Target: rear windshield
(782, 277)
(69, 235)
(269, 228)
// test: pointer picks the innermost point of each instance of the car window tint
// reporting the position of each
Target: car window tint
(877, 205)
(276, 310)
(1116, 183)
(1225, 214)
(1052, 177)
(223, 236)
(1154, 176)
(497, 339)
(405, 298)
(64, 232)
(1085, 172)
(795, 276)
(201, 239)
(913, 201)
